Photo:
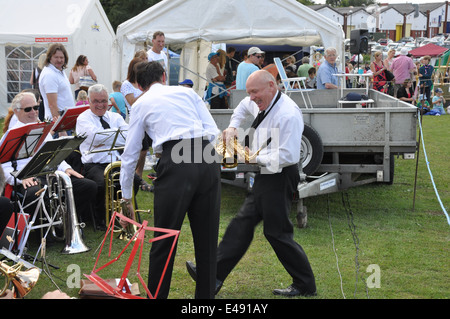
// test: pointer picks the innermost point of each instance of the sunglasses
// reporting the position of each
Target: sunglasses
(258, 56)
(28, 109)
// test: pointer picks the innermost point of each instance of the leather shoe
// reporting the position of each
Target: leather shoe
(291, 291)
(192, 270)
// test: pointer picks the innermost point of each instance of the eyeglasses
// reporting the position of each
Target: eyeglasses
(258, 56)
(28, 109)
(99, 101)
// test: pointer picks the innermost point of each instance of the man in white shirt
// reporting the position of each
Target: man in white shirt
(26, 109)
(188, 171)
(157, 54)
(99, 126)
(280, 127)
(54, 84)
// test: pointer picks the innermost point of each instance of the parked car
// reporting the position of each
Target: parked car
(406, 40)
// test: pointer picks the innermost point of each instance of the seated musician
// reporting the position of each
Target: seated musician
(26, 109)
(6, 207)
(99, 125)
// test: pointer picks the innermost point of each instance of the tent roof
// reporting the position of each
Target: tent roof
(22, 22)
(235, 21)
(428, 49)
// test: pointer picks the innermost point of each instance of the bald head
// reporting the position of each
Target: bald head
(261, 87)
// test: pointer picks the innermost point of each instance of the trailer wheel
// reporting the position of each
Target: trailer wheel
(311, 152)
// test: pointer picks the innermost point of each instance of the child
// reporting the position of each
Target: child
(117, 100)
(438, 101)
(82, 98)
(311, 79)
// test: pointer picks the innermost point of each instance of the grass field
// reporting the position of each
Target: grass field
(367, 242)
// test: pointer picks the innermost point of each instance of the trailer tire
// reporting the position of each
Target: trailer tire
(311, 152)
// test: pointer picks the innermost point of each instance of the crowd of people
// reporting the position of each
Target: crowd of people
(151, 113)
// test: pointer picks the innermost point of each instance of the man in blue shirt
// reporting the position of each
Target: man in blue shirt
(247, 67)
(325, 75)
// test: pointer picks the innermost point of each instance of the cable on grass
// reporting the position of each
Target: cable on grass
(431, 174)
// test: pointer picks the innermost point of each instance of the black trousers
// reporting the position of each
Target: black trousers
(191, 187)
(6, 210)
(269, 201)
(95, 172)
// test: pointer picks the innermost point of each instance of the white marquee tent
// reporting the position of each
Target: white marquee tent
(195, 24)
(28, 27)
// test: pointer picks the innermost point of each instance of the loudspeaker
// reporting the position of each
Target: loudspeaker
(359, 41)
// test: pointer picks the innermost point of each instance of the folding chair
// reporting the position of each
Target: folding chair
(290, 84)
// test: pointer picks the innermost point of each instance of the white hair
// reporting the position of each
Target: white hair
(330, 50)
(97, 88)
(17, 101)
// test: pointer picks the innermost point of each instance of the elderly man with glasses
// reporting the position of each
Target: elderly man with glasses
(326, 78)
(26, 109)
(247, 67)
(100, 125)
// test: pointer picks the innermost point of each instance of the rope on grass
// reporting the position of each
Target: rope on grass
(429, 171)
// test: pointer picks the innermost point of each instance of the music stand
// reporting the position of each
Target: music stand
(68, 118)
(114, 138)
(20, 143)
(44, 162)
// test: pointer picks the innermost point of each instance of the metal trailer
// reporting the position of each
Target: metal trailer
(343, 145)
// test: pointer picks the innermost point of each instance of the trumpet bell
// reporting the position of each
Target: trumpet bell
(23, 281)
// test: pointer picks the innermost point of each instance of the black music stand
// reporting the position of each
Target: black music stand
(111, 137)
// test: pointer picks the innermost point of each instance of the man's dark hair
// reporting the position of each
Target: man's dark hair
(148, 73)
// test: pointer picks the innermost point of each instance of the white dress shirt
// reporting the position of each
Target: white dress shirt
(283, 124)
(8, 168)
(97, 138)
(165, 113)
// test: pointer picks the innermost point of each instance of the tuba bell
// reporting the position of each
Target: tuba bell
(113, 200)
(72, 228)
(22, 281)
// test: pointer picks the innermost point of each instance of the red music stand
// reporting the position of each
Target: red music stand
(68, 119)
(23, 142)
(122, 290)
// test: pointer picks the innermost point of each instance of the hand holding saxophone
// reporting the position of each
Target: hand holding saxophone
(232, 152)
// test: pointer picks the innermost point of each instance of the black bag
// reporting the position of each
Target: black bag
(389, 75)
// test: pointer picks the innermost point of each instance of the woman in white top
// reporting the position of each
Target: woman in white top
(131, 92)
(81, 68)
(130, 89)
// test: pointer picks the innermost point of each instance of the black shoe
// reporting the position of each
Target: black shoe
(192, 270)
(291, 291)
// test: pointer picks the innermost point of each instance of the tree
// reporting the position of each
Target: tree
(119, 11)
(348, 3)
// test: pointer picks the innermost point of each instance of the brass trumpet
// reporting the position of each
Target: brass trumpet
(23, 281)
(231, 149)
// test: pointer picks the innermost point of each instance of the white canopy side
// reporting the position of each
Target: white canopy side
(194, 24)
(28, 27)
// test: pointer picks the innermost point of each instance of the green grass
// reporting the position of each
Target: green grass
(411, 247)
